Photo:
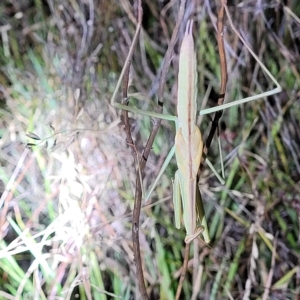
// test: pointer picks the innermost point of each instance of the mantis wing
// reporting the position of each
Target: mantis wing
(188, 139)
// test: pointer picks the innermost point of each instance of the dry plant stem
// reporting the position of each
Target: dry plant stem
(136, 215)
(183, 270)
(145, 154)
(223, 64)
(129, 140)
(271, 273)
(124, 116)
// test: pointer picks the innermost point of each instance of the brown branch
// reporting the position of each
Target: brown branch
(129, 140)
(145, 154)
(183, 270)
(136, 216)
(124, 116)
(223, 64)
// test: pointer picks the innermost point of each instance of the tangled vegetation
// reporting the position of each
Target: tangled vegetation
(67, 174)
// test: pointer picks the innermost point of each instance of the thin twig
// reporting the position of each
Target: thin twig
(223, 64)
(129, 140)
(145, 154)
(271, 273)
(183, 270)
(124, 116)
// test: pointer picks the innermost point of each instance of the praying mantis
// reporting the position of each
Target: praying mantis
(188, 144)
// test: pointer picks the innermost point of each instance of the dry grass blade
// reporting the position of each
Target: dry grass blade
(66, 211)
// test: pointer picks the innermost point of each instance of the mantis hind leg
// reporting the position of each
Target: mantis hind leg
(177, 200)
(201, 215)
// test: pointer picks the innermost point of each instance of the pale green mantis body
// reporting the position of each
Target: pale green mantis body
(188, 140)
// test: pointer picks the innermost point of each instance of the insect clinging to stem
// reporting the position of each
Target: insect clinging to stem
(188, 140)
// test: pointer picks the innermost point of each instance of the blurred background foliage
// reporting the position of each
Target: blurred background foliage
(67, 174)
